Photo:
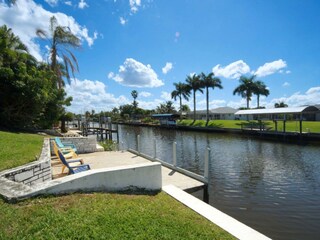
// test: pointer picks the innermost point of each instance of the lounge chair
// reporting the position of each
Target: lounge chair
(65, 144)
(73, 169)
(67, 152)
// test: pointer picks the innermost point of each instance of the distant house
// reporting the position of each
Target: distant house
(221, 113)
(224, 113)
(303, 113)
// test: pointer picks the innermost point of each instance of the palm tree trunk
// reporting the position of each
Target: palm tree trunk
(258, 100)
(207, 95)
(194, 106)
(180, 107)
(247, 108)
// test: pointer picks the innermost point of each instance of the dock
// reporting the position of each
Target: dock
(99, 160)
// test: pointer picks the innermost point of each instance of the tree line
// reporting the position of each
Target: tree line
(32, 93)
(248, 86)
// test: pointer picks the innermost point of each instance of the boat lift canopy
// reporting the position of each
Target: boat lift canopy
(274, 112)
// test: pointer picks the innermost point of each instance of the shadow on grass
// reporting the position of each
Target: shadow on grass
(129, 191)
(212, 124)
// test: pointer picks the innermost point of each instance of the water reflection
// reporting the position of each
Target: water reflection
(272, 187)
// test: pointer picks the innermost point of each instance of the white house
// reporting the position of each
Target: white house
(221, 113)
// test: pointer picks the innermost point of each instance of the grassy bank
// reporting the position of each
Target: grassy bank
(18, 148)
(291, 126)
(96, 215)
(104, 216)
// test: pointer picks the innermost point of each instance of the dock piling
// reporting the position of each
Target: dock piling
(174, 153)
(154, 149)
(206, 175)
(207, 163)
(138, 143)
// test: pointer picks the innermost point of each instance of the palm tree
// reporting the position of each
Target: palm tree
(185, 108)
(195, 85)
(209, 81)
(134, 94)
(61, 40)
(182, 91)
(280, 105)
(260, 89)
(166, 107)
(10, 41)
(246, 88)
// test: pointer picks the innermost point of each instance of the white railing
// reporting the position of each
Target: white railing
(173, 166)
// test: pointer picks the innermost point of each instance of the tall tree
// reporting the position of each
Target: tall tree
(260, 89)
(134, 94)
(209, 81)
(28, 97)
(166, 107)
(246, 88)
(195, 85)
(61, 40)
(182, 91)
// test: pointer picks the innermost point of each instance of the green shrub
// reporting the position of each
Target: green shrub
(109, 145)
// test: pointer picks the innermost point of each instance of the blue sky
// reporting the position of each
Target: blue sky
(147, 45)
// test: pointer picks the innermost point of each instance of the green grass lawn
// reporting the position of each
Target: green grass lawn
(96, 215)
(291, 126)
(105, 216)
(18, 148)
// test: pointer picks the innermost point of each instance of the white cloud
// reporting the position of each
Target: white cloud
(236, 69)
(233, 70)
(217, 103)
(166, 96)
(88, 95)
(25, 17)
(123, 21)
(134, 5)
(285, 84)
(271, 68)
(52, 3)
(313, 90)
(310, 97)
(82, 4)
(135, 74)
(237, 104)
(145, 94)
(167, 68)
(69, 3)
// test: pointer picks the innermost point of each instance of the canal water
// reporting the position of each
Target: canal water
(272, 187)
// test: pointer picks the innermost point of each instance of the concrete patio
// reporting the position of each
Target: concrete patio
(98, 160)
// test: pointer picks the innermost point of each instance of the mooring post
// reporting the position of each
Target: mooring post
(206, 175)
(174, 151)
(127, 140)
(110, 130)
(206, 164)
(138, 144)
(154, 149)
(117, 133)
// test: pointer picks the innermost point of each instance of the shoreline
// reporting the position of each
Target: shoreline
(291, 137)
